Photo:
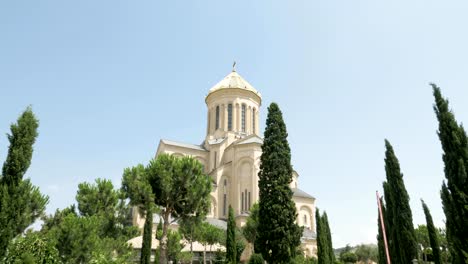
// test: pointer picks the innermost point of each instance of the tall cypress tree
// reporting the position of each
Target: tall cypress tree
(454, 191)
(279, 235)
(145, 256)
(433, 238)
(231, 250)
(21, 203)
(322, 246)
(326, 225)
(401, 224)
(380, 237)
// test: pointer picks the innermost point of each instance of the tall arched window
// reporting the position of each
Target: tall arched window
(253, 120)
(217, 117)
(224, 197)
(229, 117)
(243, 118)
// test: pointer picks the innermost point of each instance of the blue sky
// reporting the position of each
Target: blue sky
(109, 79)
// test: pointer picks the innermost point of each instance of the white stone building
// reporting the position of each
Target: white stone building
(231, 153)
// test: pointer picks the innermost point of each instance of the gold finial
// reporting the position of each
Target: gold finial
(234, 66)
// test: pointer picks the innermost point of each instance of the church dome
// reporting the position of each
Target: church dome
(233, 80)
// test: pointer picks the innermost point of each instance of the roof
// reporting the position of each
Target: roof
(300, 193)
(217, 222)
(137, 242)
(183, 145)
(253, 139)
(234, 80)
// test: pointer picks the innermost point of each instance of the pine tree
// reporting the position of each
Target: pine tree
(454, 191)
(326, 225)
(401, 224)
(380, 238)
(323, 255)
(278, 234)
(21, 203)
(433, 238)
(231, 250)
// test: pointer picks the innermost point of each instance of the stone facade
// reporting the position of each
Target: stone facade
(231, 154)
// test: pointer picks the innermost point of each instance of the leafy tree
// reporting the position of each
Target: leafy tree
(21, 203)
(454, 191)
(180, 189)
(189, 228)
(249, 230)
(231, 245)
(32, 248)
(402, 233)
(135, 186)
(348, 257)
(422, 236)
(278, 234)
(366, 253)
(433, 236)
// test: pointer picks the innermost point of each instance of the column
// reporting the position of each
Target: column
(257, 124)
(208, 122)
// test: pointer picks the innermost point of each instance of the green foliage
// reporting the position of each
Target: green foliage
(454, 191)
(135, 186)
(240, 244)
(32, 248)
(101, 230)
(326, 226)
(278, 234)
(256, 259)
(249, 230)
(145, 255)
(348, 257)
(325, 252)
(21, 203)
(174, 246)
(180, 190)
(402, 239)
(231, 245)
(432, 233)
(366, 253)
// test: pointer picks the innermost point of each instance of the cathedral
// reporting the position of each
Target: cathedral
(230, 154)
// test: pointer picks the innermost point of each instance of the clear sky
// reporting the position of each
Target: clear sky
(109, 79)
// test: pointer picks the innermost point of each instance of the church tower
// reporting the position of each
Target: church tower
(233, 108)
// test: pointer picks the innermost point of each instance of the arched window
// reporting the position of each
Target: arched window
(229, 117)
(243, 118)
(253, 120)
(217, 117)
(224, 197)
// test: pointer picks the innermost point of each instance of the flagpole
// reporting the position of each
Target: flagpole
(383, 227)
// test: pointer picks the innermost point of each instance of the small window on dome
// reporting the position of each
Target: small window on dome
(229, 117)
(217, 117)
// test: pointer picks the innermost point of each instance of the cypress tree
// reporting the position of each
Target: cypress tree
(231, 250)
(326, 225)
(380, 238)
(454, 191)
(401, 224)
(21, 203)
(145, 256)
(278, 234)
(433, 238)
(322, 245)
